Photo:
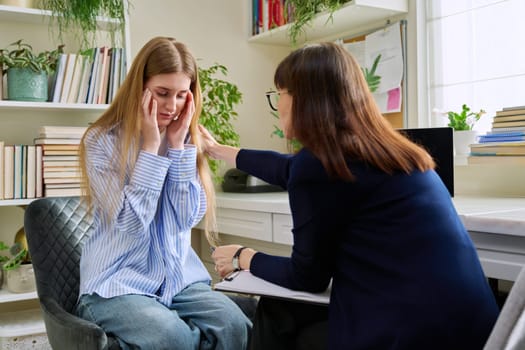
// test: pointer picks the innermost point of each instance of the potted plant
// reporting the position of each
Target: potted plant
(27, 71)
(218, 108)
(462, 123)
(17, 269)
(304, 12)
(80, 18)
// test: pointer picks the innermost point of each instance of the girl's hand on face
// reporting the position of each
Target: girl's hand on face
(178, 128)
(150, 131)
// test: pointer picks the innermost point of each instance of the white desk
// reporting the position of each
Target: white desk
(496, 225)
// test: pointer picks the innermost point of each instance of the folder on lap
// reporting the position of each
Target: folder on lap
(246, 283)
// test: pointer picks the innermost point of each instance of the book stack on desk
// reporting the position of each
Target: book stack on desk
(505, 143)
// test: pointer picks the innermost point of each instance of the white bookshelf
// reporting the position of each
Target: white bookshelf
(349, 20)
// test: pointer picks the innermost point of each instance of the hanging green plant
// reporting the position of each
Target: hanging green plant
(304, 12)
(80, 18)
(220, 98)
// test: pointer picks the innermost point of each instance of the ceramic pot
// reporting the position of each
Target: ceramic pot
(21, 279)
(462, 140)
(23, 84)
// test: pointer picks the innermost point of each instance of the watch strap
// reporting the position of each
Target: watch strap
(236, 256)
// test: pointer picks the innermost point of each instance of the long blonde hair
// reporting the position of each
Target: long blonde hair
(160, 55)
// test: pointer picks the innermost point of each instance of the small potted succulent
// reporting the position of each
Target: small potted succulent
(463, 123)
(28, 71)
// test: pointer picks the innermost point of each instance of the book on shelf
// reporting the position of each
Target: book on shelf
(23, 187)
(507, 129)
(39, 169)
(52, 174)
(68, 76)
(17, 172)
(513, 108)
(62, 192)
(9, 164)
(94, 75)
(75, 79)
(59, 152)
(62, 164)
(53, 158)
(498, 148)
(31, 172)
(496, 124)
(51, 131)
(59, 77)
(509, 112)
(500, 138)
(61, 180)
(56, 141)
(509, 118)
(1, 170)
(63, 185)
(496, 160)
(60, 147)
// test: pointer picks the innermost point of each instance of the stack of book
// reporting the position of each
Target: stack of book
(60, 160)
(505, 143)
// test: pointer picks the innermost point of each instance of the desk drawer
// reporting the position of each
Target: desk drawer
(245, 223)
(282, 229)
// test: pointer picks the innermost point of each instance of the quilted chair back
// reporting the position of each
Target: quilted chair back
(55, 230)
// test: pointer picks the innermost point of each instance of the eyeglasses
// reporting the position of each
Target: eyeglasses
(273, 98)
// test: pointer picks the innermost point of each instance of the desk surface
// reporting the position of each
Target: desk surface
(480, 214)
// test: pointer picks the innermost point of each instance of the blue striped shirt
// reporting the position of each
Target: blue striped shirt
(144, 247)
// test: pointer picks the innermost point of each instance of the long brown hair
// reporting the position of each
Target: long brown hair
(160, 55)
(335, 116)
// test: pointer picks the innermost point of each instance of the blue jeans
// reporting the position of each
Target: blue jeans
(198, 318)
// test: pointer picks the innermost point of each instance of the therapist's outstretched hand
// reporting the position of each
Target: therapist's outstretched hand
(214, 149)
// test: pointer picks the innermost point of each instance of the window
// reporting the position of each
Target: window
(476, 56)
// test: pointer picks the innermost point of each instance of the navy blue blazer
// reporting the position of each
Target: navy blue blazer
(405, 272)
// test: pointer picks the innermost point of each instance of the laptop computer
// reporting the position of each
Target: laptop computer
(439, 144)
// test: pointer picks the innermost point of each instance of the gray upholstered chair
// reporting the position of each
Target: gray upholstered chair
(509, 331)
(55, 229)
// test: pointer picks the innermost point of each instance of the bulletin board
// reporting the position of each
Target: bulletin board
(398, 119)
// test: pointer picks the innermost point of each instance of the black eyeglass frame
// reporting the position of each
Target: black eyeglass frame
(269, 94)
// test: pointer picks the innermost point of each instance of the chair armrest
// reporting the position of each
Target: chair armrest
(67, 331)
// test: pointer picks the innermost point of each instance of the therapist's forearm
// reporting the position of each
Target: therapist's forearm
(224, 152)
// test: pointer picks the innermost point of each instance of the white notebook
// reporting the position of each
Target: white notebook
(245, 283)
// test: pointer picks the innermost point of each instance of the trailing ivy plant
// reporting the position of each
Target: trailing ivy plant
(79, 17)
(220, 98)
(304, 12)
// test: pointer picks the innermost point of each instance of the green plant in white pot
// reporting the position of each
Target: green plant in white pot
(27, 71)
(462, 123)
(16, 269)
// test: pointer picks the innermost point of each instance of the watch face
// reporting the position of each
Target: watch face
(235, 263)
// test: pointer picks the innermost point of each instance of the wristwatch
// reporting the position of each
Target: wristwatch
(235, 261)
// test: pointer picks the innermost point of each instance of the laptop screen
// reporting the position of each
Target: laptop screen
(439, 143)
